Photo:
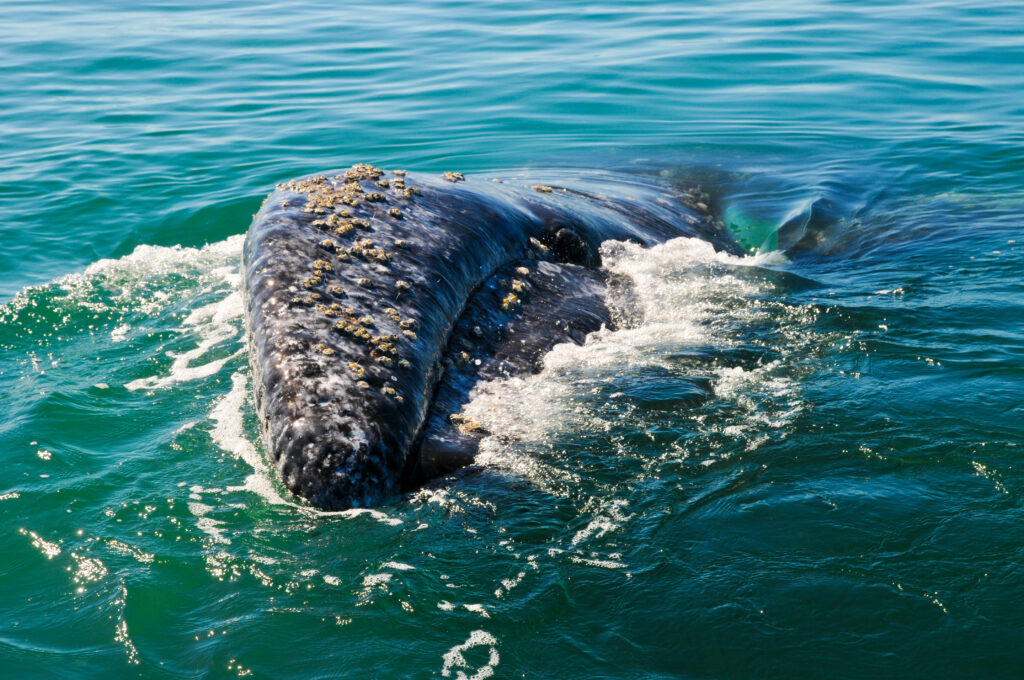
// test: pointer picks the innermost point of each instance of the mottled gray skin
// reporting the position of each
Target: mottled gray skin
(340, 439)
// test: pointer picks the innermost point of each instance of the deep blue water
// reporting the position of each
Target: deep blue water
(848, 504)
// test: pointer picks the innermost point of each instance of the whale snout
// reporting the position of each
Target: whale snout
(332, 464)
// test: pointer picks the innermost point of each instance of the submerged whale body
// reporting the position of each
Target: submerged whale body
(375, 301)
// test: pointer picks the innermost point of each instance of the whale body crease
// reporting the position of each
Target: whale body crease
(375, 300)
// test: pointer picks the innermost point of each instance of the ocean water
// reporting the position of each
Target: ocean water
(848, 504)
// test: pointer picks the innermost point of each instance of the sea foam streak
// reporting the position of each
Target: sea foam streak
(678, 296)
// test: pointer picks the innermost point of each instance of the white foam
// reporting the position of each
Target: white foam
(213, 325)
(678, 295)
(140, 292)
(352, 513)
(134, 283)
(120, 334)
(371, 580)
(612, 519)
(229, 434)
(596, 562)
(208, 525)
(455, 657)
(477, 608)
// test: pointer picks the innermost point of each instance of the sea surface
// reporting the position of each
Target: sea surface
(849, 503)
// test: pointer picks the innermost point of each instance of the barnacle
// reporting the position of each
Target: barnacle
(538, 245)
(464, 423)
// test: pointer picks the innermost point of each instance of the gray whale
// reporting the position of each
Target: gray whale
(375, 300)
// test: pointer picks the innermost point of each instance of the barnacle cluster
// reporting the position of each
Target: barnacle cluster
(336, 203)
(538, 250)
(465, 424)
(502, 298)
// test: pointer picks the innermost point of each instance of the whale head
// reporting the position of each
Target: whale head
(374, 300)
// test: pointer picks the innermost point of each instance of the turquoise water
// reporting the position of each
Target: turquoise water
(848, 503)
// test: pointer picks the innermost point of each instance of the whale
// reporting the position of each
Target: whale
(375, 300)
